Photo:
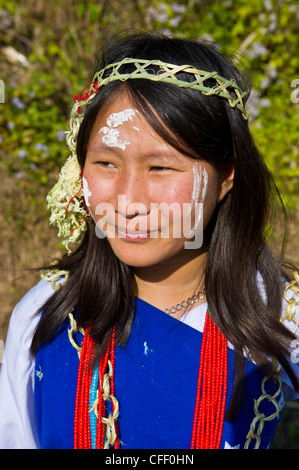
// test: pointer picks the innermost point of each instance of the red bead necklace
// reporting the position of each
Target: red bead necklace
(211, 389)
(210, 397)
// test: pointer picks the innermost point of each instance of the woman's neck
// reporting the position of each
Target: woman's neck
(171, 282)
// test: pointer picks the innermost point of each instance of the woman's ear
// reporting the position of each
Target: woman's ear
(226, 180)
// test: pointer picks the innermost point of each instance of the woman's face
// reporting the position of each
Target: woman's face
(151, 201)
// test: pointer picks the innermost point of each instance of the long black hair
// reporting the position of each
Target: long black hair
(206, 127)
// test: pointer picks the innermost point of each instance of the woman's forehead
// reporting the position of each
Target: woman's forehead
(122, 115)
(118, 135)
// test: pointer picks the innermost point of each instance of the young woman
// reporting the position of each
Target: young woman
(173, 324)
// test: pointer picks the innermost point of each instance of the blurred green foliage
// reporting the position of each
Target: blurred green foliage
(58, 41)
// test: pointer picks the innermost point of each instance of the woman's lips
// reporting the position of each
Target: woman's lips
(133, 235)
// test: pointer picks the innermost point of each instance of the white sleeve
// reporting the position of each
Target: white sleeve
(291, 321)
(17, 417)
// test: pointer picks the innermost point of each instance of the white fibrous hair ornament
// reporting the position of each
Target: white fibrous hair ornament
(65, 203)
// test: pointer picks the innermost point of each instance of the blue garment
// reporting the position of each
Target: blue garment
(155, 383)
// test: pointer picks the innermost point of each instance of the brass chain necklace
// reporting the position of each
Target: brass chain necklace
(186, 303)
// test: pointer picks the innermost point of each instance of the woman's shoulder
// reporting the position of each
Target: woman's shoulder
(32, 301)
(17, 371)
(26, 314)
(290, 319)
(290, 304)
(290, 299)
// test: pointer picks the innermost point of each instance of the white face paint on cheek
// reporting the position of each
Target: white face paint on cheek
(111, 133)
(197, 180)
(200, 176)
(86, 191)
(205, 186)
(200, 186)
(203, 196)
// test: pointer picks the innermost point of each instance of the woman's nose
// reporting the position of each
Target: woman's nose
(132, 196)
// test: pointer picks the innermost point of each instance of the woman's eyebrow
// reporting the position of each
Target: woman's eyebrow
(159, 155)
(165, 158)
(100, 148)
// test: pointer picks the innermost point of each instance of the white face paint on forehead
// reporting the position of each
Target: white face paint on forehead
(116, 119)
(111, 133)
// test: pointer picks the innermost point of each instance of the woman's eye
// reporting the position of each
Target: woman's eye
(106, 164)
(160, 168)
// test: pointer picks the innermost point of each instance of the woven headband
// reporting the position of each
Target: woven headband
(167, 73)
(66, 199)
